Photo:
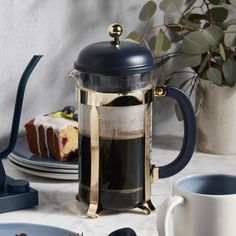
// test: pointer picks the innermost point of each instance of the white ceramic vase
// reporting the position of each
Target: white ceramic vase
(217, 119)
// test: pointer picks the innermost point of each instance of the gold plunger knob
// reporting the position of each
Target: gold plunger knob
(115, 31)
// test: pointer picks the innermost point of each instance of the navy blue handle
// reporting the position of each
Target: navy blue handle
(189, 134)
(17, 113)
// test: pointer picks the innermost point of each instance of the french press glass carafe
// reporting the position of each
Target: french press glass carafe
(115, 91)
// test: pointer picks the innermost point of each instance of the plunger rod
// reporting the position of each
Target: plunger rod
(17, 113)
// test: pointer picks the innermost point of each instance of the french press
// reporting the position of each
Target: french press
(115, 91)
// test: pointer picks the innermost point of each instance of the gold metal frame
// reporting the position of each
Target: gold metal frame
(95, 99)
(147, 126)
(94, 192)
(90, 97)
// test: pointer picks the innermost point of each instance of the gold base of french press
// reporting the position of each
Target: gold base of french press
(93, 211)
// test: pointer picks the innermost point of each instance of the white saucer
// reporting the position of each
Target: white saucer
(45, 174)
(41, 168)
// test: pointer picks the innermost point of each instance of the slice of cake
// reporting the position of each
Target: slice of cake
(54, 135)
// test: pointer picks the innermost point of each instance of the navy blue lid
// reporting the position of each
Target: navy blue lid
(105, 58)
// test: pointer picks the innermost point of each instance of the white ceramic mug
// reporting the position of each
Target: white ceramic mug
(202, 205)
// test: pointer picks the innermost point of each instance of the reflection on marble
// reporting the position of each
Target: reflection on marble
(59, 207)
(169, 142)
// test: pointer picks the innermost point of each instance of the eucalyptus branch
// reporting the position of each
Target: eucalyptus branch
(141, 39)
(172, 54)
(209, 62)
(205, 45)
(193, 86)
(203, 12)
(208, 11)
(152, 29)
(212, 58)
(181, 26)
(190, 84)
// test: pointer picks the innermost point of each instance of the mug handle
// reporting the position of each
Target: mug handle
(189, 138)
(164, 213)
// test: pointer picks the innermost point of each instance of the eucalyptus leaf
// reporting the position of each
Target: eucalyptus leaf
(178, 112)
(171, 6)
(151, 42)
(219, 61)
(233, 2)
(203, 64)
(163, 61)
(175, 36)
(159, 43)
(189, 4)
(134, 35)
(222, 52)
(147, 11)
(230, 36)
(214, 75)
(217, 2)
(192, 24)
(181, 86)
(229, 71)
(199, 98)
(174, 27)
(197, 17)
(166, 42)
(218, 14)
(195, 43)
(146, 44)
(213, 35)
(188, 60)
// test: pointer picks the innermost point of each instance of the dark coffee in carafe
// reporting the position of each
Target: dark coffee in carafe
(121, 182)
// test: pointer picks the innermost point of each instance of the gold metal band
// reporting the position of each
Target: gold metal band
(147, 127)
(94, 184)
(150, 172)
(159, 91)
(94, 98)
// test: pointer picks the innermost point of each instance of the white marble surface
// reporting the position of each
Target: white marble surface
(58, 206)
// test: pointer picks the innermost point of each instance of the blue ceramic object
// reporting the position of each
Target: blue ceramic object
(11, 196)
